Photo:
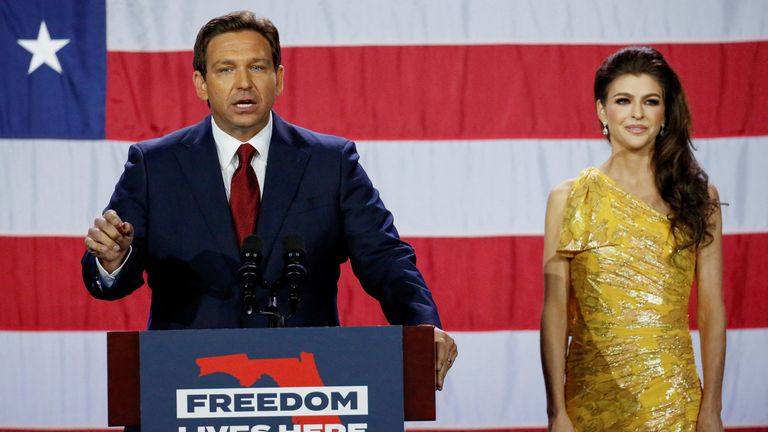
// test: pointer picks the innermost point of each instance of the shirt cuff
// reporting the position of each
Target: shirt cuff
(107, 279)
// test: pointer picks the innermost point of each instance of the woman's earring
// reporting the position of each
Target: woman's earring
(605, 128)
(661, 130)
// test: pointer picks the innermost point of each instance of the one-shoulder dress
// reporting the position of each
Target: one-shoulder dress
(630, 363)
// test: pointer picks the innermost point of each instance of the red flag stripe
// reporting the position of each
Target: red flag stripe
(485, 283)
(399, 92)
(739, 429)
(745, 429)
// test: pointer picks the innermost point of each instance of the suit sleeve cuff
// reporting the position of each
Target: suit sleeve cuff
(108, 279)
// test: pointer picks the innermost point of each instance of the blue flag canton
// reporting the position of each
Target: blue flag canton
(54, 69)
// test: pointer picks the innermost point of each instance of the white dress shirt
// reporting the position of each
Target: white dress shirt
(227, 145)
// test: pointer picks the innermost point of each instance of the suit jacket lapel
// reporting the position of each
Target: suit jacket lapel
(199, 162)
(285, 168)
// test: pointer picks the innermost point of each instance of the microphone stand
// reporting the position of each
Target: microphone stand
(275, 318)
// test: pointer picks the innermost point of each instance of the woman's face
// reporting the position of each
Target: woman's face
(634, 111)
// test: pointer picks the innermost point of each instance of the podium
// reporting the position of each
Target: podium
(124, 365)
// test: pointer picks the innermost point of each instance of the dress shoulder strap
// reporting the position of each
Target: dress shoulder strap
(586, 219)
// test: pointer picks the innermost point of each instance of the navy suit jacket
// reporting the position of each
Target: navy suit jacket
(173, 193)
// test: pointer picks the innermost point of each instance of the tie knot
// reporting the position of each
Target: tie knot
(245, 153)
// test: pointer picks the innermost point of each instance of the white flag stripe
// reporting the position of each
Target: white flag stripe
(745, 386)
(483, 393)
(501, 185)
(56, 196)
(132, 25)
(496, 383)
(53, 380)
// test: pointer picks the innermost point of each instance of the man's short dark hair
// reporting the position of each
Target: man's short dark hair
(234, 22)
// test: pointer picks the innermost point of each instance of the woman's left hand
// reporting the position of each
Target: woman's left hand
(709, 421)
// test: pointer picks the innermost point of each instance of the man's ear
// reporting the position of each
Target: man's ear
(279, 80)
(200, 86)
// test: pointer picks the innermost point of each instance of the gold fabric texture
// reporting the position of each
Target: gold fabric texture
(630, 364)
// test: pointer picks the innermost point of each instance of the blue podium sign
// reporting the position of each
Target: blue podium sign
(272, 380)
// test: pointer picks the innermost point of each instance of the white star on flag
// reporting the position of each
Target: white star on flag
(43, 49)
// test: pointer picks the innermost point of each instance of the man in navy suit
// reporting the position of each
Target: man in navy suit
(170, 213)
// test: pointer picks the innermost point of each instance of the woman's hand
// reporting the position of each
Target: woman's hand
(709, 421)
(561, 423)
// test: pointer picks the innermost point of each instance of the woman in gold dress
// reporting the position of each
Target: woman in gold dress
(622, 245)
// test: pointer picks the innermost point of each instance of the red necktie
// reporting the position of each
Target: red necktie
(244, 195)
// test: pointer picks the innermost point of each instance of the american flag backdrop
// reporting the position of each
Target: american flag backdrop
(466, 113)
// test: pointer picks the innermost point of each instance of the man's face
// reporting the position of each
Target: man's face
(241, 82)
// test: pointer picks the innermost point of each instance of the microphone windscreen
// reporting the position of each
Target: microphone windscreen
(252, 243)
(293, 242)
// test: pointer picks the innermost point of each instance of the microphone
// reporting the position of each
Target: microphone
(294, 270)
(249, 273)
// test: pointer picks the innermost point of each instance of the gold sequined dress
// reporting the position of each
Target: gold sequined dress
(630, 364)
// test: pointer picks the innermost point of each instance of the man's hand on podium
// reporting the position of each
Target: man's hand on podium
(445, 354)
